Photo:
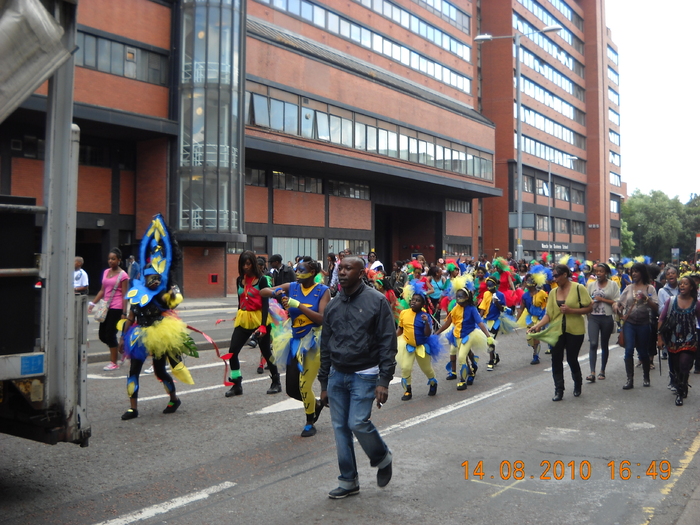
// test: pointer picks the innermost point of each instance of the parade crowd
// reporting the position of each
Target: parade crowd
(349, 323)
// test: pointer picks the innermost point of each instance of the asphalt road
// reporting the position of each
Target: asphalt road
(241, 460)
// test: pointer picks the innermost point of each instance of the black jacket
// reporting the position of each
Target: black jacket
(284, 274)
(358, 333)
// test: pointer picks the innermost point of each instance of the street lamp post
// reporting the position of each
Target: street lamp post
(518, 126)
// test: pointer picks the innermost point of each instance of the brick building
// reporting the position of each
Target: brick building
(349, 124)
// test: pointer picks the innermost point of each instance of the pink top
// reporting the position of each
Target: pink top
(108, 284)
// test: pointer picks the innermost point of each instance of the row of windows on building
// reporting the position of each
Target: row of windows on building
(32, 147)
(280, 111)
(548, 45)
(540, 12)
(120, 59)
(416, 25)
(543, 68)
(558, 225)
(306, 184)
(550, 154)
(533, 118)
(369, 39)
(561, 192)
(549, 99)
(448, 12)
(569, 13)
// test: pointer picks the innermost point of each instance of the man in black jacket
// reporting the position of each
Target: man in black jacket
(358, 350)
(281, 273)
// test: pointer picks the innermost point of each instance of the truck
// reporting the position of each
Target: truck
(43, 324)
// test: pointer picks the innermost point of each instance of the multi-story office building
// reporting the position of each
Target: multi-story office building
(305, 127)
(570, 118)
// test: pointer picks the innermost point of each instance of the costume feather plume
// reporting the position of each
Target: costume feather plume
(463, 281)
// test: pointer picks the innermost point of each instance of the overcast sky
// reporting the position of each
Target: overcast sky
(659, 103)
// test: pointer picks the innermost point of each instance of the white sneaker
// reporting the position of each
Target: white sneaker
(148, 370)
(111, 366)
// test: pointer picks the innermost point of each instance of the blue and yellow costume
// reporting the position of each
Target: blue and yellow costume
(296, 344)
(466, 337)
(533, 309)
(154, 328)
(413, 345)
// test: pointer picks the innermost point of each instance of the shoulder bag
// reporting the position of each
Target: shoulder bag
(102, 307)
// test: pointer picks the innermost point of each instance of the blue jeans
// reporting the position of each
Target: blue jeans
(637, 336)
(350, 397)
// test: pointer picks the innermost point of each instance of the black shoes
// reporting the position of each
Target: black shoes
(558, 395)
(341, 493)
(236, 389)
(172, 406)
(432, 390)
(317, 411)
(275, 387)
(130, 414)
(384, 476)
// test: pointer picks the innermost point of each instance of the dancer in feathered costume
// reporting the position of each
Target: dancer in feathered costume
(497, 317)
(532, 308)
(416, 342)
(152, 328)
(296, 345)
(378, 279)
(465, 338)
(506, 284)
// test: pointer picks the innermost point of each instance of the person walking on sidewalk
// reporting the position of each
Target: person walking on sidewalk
(358, 351)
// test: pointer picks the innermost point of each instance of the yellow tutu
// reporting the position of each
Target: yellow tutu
(165, 337)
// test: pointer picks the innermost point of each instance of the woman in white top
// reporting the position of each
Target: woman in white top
(373, 263)
(604, 292)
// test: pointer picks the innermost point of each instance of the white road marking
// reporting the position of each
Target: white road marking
(195, 367)
(287, 404)
(640, 426)
(445, 410)
(167, 506)
(203, 389)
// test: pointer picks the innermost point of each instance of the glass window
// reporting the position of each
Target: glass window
(322, 127)
(333, 23)
(360, 142)
(372, 139)
(346, 133)
(335, 129)
(291, 118)
(319, 16)
(117, 59)
(90, 54)
(294, 7)
(542, 188)
(403, 147)
(382, 145)
(614, 206)
(307, 11)
(307, 123)
(412, 149)
(261, 115)
(104, 55)
(577, 196)
(80, 52)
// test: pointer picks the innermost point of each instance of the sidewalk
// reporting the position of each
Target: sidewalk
(97, 353)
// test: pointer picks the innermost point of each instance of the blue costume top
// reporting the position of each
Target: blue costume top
(465, 320)
(494, 311)
(302, 325)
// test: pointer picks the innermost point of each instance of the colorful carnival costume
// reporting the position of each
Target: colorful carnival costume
(252, 317)
(533, 305)
(496, 316)
(152, 327)
(465, 337)
(416, 342)
(296, 345)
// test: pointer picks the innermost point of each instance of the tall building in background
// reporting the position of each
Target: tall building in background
(306, 127)
(570, 117)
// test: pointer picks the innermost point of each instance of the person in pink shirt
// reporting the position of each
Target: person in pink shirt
(115, 283)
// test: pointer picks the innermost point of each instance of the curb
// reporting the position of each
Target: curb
(103, 357)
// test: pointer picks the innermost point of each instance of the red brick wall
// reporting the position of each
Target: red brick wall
(151, 182)
(196, 270)
(458, 224)
(232, 272)
(94, 189)
(120, 93)
(140, 20)
(28, 178)
(256, 204)
(341, 208)
(127, 198)
(303, 209)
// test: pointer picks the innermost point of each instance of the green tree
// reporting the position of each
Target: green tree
(626, 240)
(691, 227)
(656, 222)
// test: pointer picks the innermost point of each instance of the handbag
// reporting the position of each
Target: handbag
(102, 307)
